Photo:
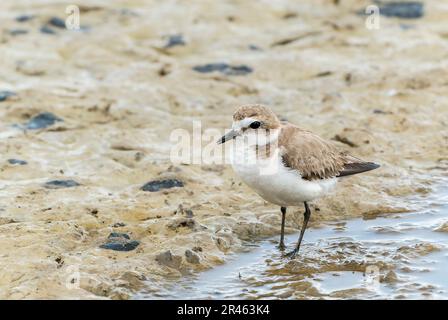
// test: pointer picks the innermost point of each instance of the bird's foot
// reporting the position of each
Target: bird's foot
(292, 254)
(281, 246)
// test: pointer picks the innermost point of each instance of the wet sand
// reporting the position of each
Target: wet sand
(119, 86)
(339, 260)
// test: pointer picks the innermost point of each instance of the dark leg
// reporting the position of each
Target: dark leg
(282, 232)
(306, 217)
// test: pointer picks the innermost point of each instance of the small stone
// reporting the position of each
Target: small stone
(57, 22)
(191, 257)
(24, 18)
(47, 30)
(17, 161)
(59, 184)
(4, 95)
(120, 242)
(17, 32)
(254, 47)
(119, 246)
(164, 257)
(404, 10)
(379, 111)
(224, 68)
(399, 9)
(118, 235)
(157, 185)
(42, 120)
(168, 259)
(175, 40)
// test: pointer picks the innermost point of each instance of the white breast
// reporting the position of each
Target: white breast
(274, 182)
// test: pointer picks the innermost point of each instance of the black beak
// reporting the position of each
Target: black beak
(232, 134)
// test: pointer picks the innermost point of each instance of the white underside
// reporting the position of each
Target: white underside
(276, 183)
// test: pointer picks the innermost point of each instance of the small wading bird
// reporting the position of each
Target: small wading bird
(284, 164)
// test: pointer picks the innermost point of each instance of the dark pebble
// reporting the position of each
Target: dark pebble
(175, 40)
(59, 184)
(224, 68)
(119, 235)
(47, 30)
(24, 18)
(120, 246)
(379, 111)
(17, 32)
(158, 185)
(17, 161)
(120, 242)
(42, 120)
(254, 47)
(57, 22)
(4, 95)
(404, 10)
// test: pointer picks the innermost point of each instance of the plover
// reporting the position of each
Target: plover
(284, 164)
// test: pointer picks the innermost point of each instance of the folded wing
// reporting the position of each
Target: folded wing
(314, 158)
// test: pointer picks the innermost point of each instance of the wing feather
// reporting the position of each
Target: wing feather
(314, 158)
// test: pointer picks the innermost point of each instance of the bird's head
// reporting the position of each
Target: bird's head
(257, 124)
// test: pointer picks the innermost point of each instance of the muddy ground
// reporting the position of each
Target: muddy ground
(93, 110)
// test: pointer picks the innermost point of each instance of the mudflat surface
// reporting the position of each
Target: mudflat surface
(86, 117)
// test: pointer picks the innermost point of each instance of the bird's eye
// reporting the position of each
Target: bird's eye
(255, 124)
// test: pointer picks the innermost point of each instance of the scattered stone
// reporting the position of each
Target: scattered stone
(42, 120)
(119, 246)
(175, 40)
(254, 47)
(157, 185)
(379, 111)
(17, 161)
(224, 68)
(17, 32)
(120, 242)
(118, 225)
(404, 10)
(192, 257)
(119, 235)
(59, 184)
(4, 95)
(324, 74)
(47, 30)
(24, 18)
(57, 22)
(168, 259)
(139, 156)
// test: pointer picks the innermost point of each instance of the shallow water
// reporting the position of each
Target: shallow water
(391, 257)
